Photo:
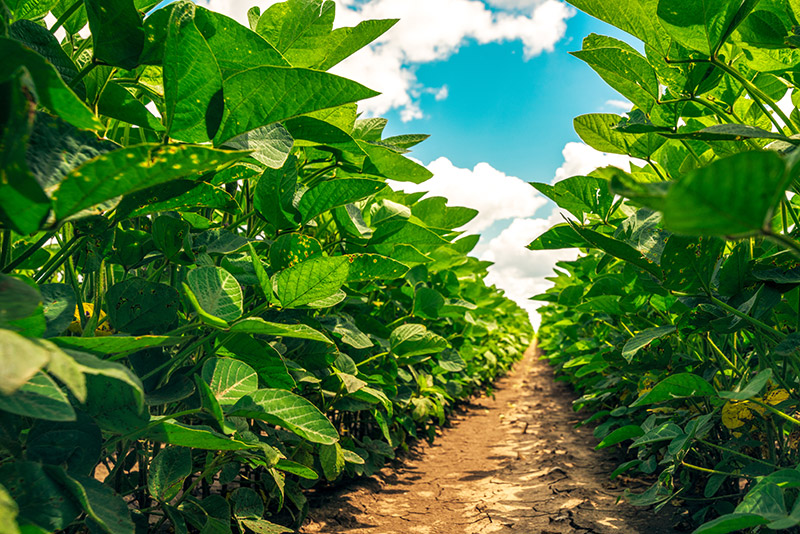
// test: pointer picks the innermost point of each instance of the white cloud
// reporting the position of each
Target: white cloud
(494, 194)
(619, 105)
(519, 271)
(581, 159)
(428, 31)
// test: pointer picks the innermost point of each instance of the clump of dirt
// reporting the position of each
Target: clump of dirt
(514, 463)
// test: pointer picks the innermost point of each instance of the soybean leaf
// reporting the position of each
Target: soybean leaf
(435, 213)
(131, 169)
(118, 103)
(752, 388)
(8, 511)
(343, 325)
(45, 44)
(390, 164)
(335, 193)
(597, 130)
(194, 437)
(42, 500)
(59, 304)
(263, 358)
(689, 263)
(677, 386)
(367, 267)
(619, 435)
(117, 32)
(637, 17)
(263, 95)
(256, 325)
(733, 196)
(168, 470)
(644, 338)
(331, 457)
(192, 79)
(217, 292)
(274, 193)
(291, 249)
(270, 145)
(412, 340)
(296, 469)
(735, 522)
(730, 132)
(107, 345)
(262, 526)
(39, 398)
(618, 249)
(229, 379)
(558, 237)
(137, 306)
(74, 444)
(173, 196)
(51, 89)
(281, 407)
(311, 280)
(100, 502)
(701, 25)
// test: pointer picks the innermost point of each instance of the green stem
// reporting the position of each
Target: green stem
(735, 453)
(152, 424)
(89, 67)
(58, 259)
(783, 240)
(5, 250)
(757, 95)
(30, 251)
(765, 327)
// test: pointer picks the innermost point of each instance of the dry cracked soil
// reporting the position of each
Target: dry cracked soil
(512, 463)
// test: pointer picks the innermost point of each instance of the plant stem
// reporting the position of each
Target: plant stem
(65, 16)
(30, 251)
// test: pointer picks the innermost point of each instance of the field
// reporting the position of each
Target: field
(214, 306)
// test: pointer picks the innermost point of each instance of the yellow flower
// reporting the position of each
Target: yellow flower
(88, 309)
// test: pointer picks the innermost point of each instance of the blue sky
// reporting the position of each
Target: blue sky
(494, 85)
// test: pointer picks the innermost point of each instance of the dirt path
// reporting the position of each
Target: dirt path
(512, 464)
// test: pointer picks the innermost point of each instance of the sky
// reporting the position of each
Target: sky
(494, 85)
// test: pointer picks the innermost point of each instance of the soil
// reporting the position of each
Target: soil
(514, 463)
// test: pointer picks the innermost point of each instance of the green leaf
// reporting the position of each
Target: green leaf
(619, 435)
(263, 358)
(39, 398)
(730, 132)
(289, 250)
(451, 361)
(368, 267)
(274, 194)
(73, 444)
(59, 305)
(117, 32)
(46, 45)
(435, 213)
(168, 470)
(311, 280)
(644, 338)
(331, 457)
(262, 526)
(21, 306)
(736, 522)
(412, 340)
(195, 437)
(106, 345)
(137, 306)
(193, 90)
(389, 164)
(296, 469)
(8, 511)
(255, 325)
(427, 303)
(335, 193)
(246, 503)
(270, 145)
(31, 8)
(290, 411)
(176, 195)
(618, 249)
(344, 326)
(118, 103)
(115, 394)
(580, 195)
(637, 17)
(132, 169)
(42, 500)
(752, 388)
(689, 263)
(263, 95)
(21, 358)
(623, 68)
(701, 25)
(51, 90)
(229, 379)
(101, 503)
(734, 196)
(217, 291)
(677, 386)
(558, 237)
(598, 131)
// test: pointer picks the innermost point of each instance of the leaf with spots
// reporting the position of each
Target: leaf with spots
(132, 169)
(137, 306)
(290, 249)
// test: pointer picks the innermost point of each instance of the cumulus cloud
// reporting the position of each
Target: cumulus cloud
(428, 31)
(494, 194)
(519, 271)
(619, 105)
(581, 159)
